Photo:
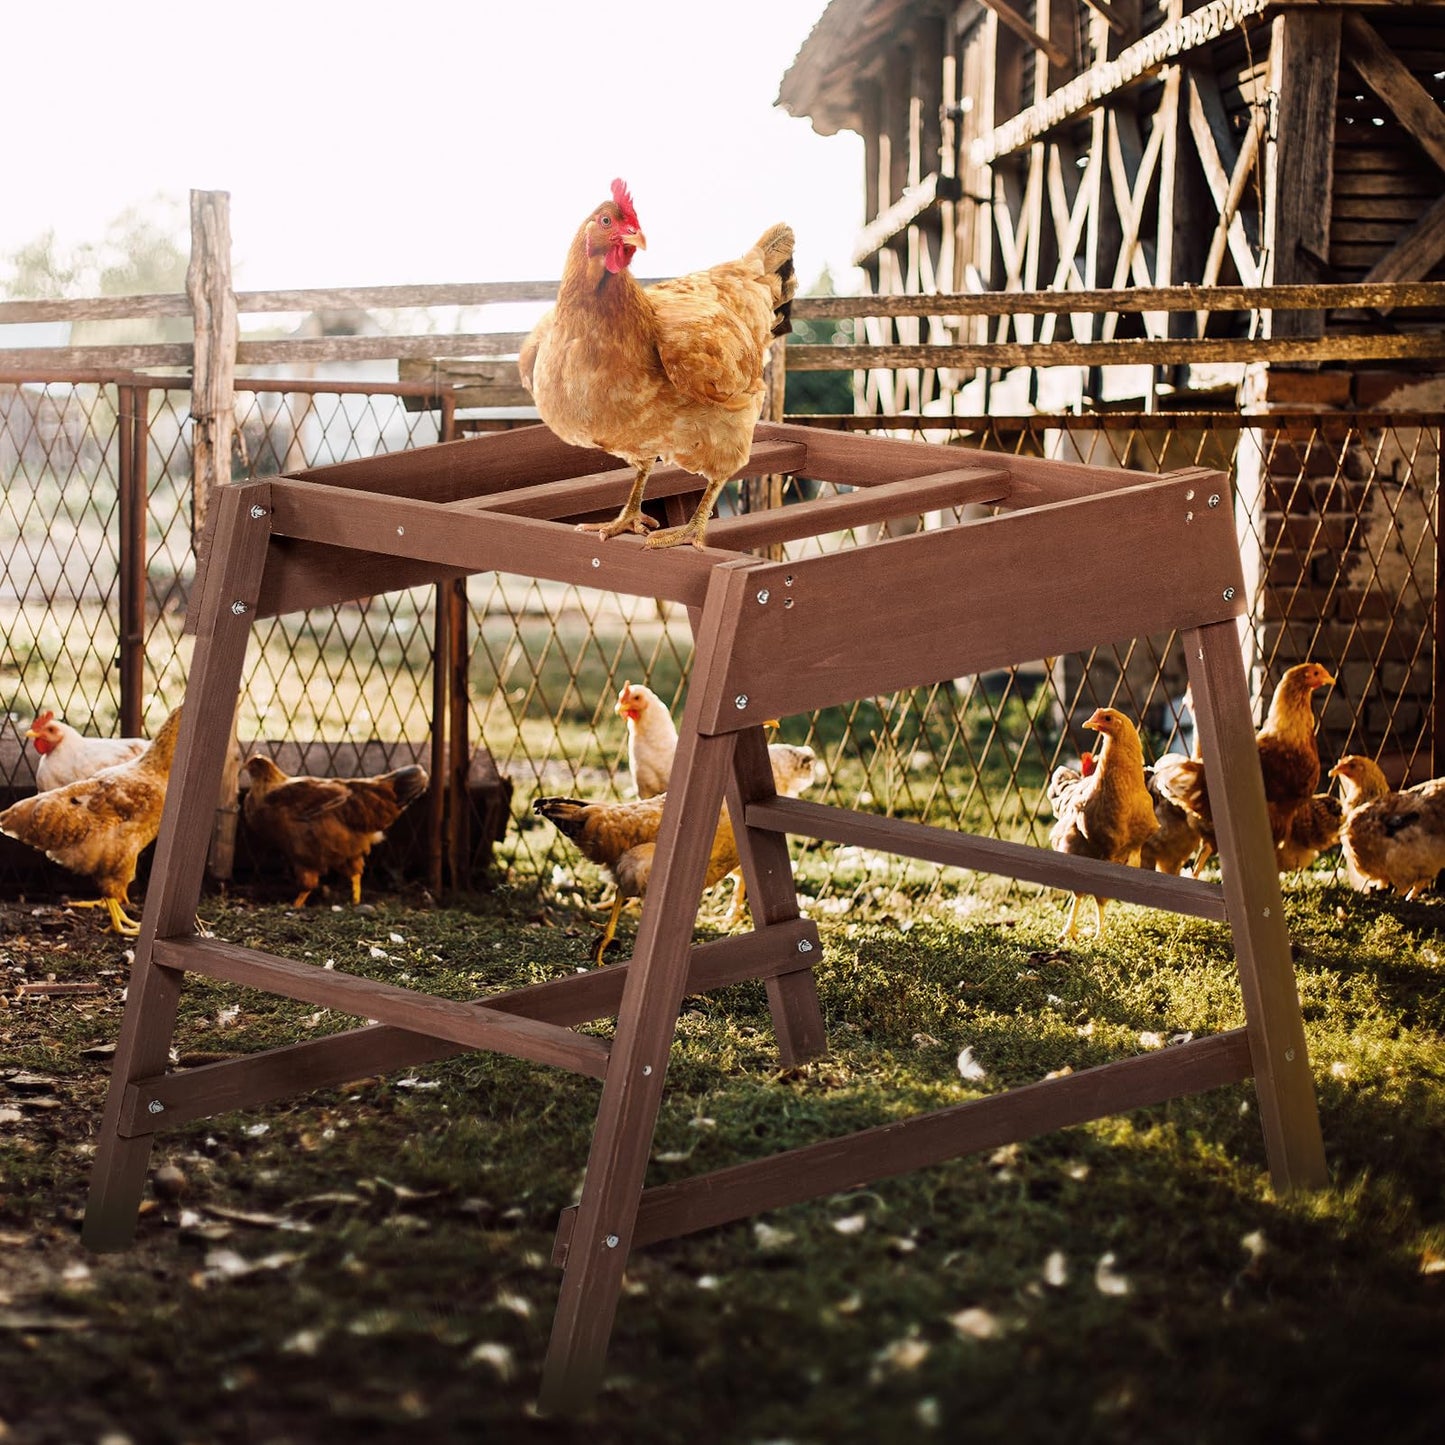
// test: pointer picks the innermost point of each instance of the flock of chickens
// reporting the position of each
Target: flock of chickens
(98, 807)
(1116, 808)
(674, 373)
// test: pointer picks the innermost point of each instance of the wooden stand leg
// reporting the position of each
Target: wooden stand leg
(773, 897)
(237, 559)
(1288, 1111)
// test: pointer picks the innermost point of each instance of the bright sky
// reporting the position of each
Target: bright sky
(366, 143)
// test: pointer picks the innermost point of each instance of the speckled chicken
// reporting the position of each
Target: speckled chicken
(99, 826)
(1314, 828)
(1390, 839)
(1107, 812)
(622, 837)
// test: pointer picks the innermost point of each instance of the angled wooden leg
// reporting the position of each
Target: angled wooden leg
(237, 559)
(646, 1022)
(1250, 876)
(768, 872)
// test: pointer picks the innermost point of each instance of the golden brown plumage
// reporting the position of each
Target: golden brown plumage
(1390, 839)
(1176, 838)
(672, 372)
(98, 826)
(1314, 827)
(1107, 814)
(1289, 759)
(325, 824)
(622, 837)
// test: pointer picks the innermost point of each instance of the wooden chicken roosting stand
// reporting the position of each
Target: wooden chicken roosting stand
(1075, 556)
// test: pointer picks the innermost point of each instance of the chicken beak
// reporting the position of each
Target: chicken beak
(1094, 723)
(636, 241)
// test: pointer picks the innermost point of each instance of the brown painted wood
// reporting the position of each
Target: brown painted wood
(280, 1073)
(773, 900)
(470, 1024)
(1417, 252)
(1288, 1112)
(851, 1160)
(153, 993)
(622, 1138)
(582, 495)
(963, 600)
(805, 819)
(440, 538)
(941, 491)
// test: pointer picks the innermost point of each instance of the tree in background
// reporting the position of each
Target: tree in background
(820, 392)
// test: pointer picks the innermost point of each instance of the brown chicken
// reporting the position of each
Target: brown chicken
(1289, 759)
(673, 371)
(99, 826)
(622, 837)
(1390, 839)
(1105, 812)
(1314, 827)
(1176, 839)
(651, 738)
(322, 825)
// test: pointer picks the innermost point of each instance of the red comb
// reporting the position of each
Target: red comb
(43, 718)
(1087, 764)
(622, 198)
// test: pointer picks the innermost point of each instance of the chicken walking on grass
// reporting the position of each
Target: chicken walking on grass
(1289, 759)
(622, 837)
(322, 825)
(1390, 839)
(99, 826)
(670, 372)
(1104, 810)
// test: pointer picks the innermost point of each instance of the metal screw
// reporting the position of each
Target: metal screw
(805, 945)
(788, 580)
(401, 531)
(1214, 500)
(597, 561)
(155, 1107)
(787, 601)
(257, 512)
(1266, 912)
(1289, 1056)
(239, 608)
(612, 1241)
(763, 597)
(1189, 516)
(1229, 594)
(1189, 495)
(646, 1070)
(740, 701)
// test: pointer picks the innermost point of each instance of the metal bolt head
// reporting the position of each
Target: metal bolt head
(1229, 594)
(257, 511)
(763, 597)
(646, 1070)
(401, 531)
(805, 945)
(612, 1241)
(740, 701)
(597, 561)
(1214, 500)
(155, 1107)
(1289, 1056)
(239, 608)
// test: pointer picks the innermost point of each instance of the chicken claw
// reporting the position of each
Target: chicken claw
(120, 921)
(638, 522)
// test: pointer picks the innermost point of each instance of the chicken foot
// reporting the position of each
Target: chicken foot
(695, 528)
(609, 932)
(631, 518)
(1070, 930)
(120, 921)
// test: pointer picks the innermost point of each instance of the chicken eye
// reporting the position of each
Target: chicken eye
(604, 220)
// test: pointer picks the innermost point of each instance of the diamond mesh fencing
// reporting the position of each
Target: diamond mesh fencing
(1337, 516)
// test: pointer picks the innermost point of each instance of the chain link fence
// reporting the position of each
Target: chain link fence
(1338, 520)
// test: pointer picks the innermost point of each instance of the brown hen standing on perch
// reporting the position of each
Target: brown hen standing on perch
(670, 372)
(1104, 810)
(325, 824)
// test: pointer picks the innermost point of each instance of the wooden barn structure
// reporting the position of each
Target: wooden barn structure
(1184, 213)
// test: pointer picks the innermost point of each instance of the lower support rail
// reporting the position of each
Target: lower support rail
(442, 1018)
(167, 1100)
(851, 1160)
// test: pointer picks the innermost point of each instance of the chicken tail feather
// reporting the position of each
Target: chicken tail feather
(776, 244)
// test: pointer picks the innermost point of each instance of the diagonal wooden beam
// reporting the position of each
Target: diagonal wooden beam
(1209, 125)
(1416, 253)
(1026, 32)
(1388, 76)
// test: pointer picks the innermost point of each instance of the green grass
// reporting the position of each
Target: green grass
(396, 1283)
